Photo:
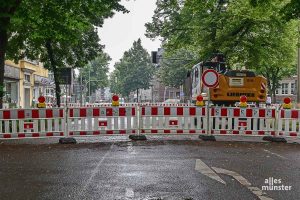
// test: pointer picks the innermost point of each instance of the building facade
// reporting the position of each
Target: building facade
(24, 82)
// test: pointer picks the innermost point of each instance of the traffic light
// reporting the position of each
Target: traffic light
(154, 57)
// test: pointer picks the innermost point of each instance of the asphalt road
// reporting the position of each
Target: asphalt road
(182, 169)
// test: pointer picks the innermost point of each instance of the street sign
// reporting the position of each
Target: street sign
(210, 78)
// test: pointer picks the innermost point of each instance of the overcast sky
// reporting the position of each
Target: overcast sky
(119, 33)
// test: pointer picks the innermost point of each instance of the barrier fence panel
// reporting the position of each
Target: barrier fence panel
(23, 123)
(243, 121)
(288, 123)
(173, 120)
(103, 120)
(148, 119)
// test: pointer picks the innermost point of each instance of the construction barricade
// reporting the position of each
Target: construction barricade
(243, 121)
(24, 123)
(288, 123)
(103, 120)
(172, 120)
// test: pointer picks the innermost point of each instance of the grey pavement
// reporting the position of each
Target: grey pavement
(159, 168)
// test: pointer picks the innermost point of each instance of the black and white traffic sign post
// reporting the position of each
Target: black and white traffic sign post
(210, 79)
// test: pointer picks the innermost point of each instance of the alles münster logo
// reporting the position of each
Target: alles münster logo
(273, 184)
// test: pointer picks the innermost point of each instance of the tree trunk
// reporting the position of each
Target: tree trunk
(3, 45)
(54, 70)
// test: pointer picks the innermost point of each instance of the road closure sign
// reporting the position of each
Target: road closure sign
(210, 78)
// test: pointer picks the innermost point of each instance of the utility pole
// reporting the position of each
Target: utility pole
(89, 85)
(80, 88)
(298, 66)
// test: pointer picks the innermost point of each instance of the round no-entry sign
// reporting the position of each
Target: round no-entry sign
(210, 78)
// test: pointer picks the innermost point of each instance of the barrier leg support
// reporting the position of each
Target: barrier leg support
(137, 137)
(207, 137)
(67, 141)
(274, 139)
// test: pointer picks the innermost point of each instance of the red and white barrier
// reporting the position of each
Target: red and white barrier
(243, 121)
(49, 122)
(173, 120)
(288, 123)
(104, 120)
(23, 123)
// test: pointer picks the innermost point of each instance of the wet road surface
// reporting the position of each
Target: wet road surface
(144, 170)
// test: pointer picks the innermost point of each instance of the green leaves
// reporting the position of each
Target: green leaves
(134, 71)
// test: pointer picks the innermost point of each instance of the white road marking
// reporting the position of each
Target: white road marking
(129, 193)
(205, 170)
(95, 171)
(280, 156)
(255, 190)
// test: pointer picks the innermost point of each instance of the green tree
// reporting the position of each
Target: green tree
(175, 66)
(248, 32)
(135, 68)
(95, 74)
(114, 82)
(59, 33)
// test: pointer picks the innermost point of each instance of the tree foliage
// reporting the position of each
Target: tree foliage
(59, 33)
(175, 66)
(251, 33)
(134, 69)
(95, 73)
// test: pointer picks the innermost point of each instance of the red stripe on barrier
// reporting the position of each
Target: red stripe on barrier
(35, 114)
(96, 112)
(248, 132)
(35, 135)
(71, 112)
(21, 114)
(109, 112)
(192, 131)
(122, 131)
(179, 131)
(282, 113)
(133, 112)
(236, 112)
(61, 113)
(154, 111)
(203, 111)
(294, 114)
(272, 132)
(61, 133)
(133, 131)
(180, 111)
(212, 112)
(122, 112)
(143, 110)
(235, 132)
(167, 111)
(21, 135)
(293, 134)
(49, 113)
(82, 133)
(223, 132)
(261, 132)
(273, 113)
(223, 112)
(6, 135)
(154, 131)
(96, 132)
(49, 134)
(261, 113)
(193, 111)
(110, 132)
(6, 114)
(82, 112)
(143, 131)
(167, 131)
(71, 133)
(249, 113)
